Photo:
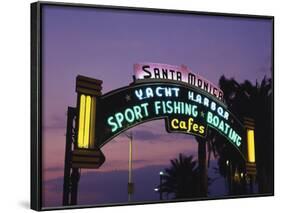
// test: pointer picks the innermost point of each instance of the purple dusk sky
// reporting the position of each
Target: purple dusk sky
(104, 44)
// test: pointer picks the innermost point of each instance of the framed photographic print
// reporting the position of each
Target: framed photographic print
(141, 106)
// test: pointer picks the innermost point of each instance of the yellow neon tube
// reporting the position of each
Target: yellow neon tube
(92, 122)
(87, 122)
(251, 145)
(81, 121)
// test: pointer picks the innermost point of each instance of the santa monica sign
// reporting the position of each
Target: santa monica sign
(175, 73)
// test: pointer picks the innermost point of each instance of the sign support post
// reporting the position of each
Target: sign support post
(251, 169)
(69, 174)
(80, 150)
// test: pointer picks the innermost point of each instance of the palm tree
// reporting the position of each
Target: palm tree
(181, 179)
(202, 166)
(206, 147)
(231, 166)
(255, 101)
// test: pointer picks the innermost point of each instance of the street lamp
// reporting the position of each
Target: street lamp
(229, 175)
(130, 182)
(161, 174)
(227, 162)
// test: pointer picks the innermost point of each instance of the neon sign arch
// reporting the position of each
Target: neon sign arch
(159, 91)
(185, 109)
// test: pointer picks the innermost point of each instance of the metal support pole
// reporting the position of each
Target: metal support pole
(75, 176)
(130, 158)
(231, 178)
(251, 184)
(160, 188)
(71, 176)
(130, 182)
(202, 164)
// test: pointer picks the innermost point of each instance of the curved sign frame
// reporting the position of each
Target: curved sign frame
(185, 109)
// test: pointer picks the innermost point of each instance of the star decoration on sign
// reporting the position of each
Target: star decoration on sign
(128, 98)
(202, 114)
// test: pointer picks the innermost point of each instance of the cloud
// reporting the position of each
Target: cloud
(155, 131)
(146, 135)
(54, 169)
(55, 122)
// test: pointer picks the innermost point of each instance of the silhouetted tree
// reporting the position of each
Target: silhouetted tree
(202, 166)
(182, 178)
(255, 101)
(206, 147)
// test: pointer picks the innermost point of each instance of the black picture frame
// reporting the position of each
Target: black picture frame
(37, 106)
